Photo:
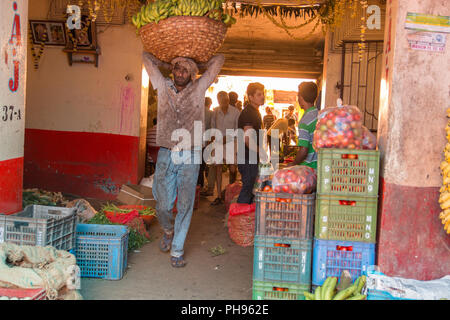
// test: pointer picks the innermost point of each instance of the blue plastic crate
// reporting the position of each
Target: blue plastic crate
(101, 250)
(282, 260)
(331, 257)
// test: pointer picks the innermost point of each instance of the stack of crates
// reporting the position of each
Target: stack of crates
(283, 246)
(346, 213)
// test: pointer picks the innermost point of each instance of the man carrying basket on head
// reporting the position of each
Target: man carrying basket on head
(180, 103)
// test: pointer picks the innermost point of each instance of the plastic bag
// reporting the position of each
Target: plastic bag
(369, 141)
(123, 218)
(296, 180)
(264, 178)
(409, 289)
(339, 127)
(147, 182)
(241, 208)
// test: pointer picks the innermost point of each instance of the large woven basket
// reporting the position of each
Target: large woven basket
(197, 38)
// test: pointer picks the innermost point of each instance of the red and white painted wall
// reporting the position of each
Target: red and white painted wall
(84, 124)
(413, 102)
(13, 46)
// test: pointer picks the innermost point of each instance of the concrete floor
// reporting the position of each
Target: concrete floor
(150, 276)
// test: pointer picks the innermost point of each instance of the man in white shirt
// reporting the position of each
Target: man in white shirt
(225, 117)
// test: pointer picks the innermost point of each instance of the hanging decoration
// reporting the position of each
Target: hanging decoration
(329, 15)
(37, 56)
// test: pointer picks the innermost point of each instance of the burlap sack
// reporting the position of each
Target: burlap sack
(31, 267)
(85, 211)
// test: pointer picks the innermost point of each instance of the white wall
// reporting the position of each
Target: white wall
(82, 97)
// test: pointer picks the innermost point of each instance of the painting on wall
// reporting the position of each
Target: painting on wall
(52, 33)
(84, 38)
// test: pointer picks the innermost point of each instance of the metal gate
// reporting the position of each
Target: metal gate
(360, 80)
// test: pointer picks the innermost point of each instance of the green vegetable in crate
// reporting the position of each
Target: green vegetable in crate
(153, 12)
(145, 211)
(328, 291)
(135, 239)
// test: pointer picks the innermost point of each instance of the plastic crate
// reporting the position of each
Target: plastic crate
(293, 220)
(330, 258)
(266, 290)
(101, 251)
(40, 226)
(283, 260)
(348, 172)
(346, 218)
(31, 294)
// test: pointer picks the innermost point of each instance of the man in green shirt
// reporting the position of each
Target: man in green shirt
(307, 95)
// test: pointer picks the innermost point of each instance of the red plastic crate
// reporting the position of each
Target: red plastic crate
(34, 294)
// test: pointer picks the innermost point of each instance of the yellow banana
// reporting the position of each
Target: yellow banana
(446, 219)
(445, 205)
(447, 225)
(444, 214)
(444, 197)
(446, 170)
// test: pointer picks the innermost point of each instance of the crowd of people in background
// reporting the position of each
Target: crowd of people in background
(226, 116)
(232, 114)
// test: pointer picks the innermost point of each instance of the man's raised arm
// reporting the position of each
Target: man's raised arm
(213, 67)
(152, 65)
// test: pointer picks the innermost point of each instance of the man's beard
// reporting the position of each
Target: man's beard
(182, 82)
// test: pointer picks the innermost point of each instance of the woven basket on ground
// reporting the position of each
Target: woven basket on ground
(197, 38)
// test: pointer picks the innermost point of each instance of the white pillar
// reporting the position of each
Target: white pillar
(13, 51)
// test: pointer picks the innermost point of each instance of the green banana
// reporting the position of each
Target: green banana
(162, 9)
(227, 19)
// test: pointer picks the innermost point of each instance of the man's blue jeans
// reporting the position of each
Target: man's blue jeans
(173, 179)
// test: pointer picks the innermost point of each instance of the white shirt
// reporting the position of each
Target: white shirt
(222, 121)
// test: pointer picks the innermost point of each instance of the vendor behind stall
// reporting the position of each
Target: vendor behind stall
(180, 103)
(306, 155)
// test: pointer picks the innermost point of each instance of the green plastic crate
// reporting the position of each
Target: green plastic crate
(282, 259)
(348, 172)
(346, 218)
(266, 290)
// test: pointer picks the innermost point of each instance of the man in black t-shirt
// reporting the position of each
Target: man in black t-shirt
(250, 121)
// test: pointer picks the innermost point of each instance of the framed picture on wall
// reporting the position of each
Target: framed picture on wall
(85, 38)
(52, 33)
